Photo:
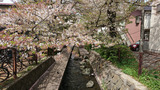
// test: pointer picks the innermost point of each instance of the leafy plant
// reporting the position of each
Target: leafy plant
(120, 53)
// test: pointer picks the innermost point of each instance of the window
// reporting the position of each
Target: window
(137, 19)
(158, 8)
(147, 19)
(146, 35)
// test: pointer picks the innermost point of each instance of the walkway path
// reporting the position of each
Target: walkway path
(51, 79)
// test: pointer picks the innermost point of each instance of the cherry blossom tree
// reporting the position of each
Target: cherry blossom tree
(31, 25)
(42, 24)
(107, 14)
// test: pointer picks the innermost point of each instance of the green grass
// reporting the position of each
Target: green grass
(150, 80)
(129, 65)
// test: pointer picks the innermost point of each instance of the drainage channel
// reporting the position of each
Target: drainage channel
(78, 76)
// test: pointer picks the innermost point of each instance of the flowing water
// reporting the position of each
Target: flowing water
(73, 78)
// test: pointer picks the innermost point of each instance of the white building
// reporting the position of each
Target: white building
(154, 40)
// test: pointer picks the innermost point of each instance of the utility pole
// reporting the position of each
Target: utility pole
(141, 44)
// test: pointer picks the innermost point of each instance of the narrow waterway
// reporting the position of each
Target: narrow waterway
(73, 78)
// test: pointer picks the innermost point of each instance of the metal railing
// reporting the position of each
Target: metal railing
(12, 61)
(151, 63)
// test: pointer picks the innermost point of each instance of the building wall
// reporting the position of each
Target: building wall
(154, 40)
(133, 28)
(147, 18)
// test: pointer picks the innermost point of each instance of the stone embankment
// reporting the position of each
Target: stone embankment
(108, 76)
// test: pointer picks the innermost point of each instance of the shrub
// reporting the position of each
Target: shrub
(116, 54)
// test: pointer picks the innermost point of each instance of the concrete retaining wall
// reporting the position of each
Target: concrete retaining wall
(52, 78)
(111, 78)
(27, 80)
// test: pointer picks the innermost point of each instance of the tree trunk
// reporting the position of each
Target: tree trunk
(111, 19)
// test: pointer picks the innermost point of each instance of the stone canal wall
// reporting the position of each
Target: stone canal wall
(28, 79)
(109, 77)
(52, 78)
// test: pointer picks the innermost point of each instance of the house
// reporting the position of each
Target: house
(4, 4)
(154, 37)
(134, 27)
(133, 33)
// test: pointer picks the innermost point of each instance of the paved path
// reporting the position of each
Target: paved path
(51, 79)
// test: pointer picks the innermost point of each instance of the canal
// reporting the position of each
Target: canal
(73, 78)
